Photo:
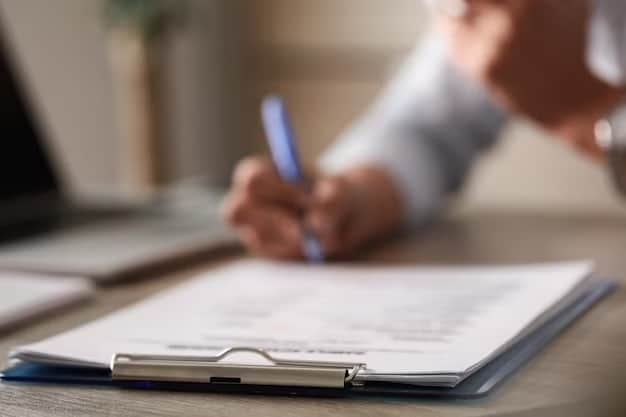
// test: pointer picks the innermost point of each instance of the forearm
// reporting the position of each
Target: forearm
(425, 132)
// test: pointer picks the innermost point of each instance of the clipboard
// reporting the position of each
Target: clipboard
(301, 378)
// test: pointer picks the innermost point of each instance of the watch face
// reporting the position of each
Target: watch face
(617, 122)
(610, 136)
(617, 166)
(604, 134)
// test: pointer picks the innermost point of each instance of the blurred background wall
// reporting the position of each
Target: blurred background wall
(328, 57)
(62, 46)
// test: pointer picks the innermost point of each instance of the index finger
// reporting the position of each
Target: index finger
(258, 178)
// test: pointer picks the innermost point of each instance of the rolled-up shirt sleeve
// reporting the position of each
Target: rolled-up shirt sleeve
(425, 130)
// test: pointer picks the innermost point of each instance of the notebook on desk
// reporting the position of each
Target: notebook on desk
(24, 297)
(254, 326)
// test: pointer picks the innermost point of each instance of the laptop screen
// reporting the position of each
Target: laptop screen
(25, 169)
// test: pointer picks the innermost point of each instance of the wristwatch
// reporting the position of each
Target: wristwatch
(610, 135)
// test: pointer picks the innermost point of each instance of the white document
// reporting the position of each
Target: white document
(24, 296)
(421, 325)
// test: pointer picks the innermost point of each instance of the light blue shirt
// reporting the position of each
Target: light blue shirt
(431, 122)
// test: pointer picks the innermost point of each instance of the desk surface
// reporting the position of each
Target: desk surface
(568, 373)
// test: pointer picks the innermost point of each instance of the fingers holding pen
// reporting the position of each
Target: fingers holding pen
(343, 211)
(266, 211)
(267, 230)
(258, 178)
(269, 224)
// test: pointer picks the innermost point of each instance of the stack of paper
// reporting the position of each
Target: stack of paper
(416, 325)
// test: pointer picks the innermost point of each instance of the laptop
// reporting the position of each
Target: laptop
(42, 229)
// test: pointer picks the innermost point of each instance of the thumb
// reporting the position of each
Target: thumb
(330, 210)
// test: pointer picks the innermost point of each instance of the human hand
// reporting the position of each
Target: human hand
(344, 211)
(530, 54)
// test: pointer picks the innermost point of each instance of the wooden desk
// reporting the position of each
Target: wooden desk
(568, 373)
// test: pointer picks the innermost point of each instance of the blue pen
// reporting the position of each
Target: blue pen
(284, 150)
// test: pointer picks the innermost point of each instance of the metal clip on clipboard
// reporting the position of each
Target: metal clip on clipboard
(211, 369)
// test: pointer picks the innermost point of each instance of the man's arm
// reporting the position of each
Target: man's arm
(425, 130)
(398, 162)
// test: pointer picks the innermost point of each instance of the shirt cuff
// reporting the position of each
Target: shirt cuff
(415, 172)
